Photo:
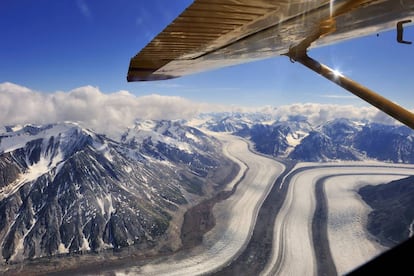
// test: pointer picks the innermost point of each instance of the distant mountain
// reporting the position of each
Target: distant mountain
(389, 143)
(233, 122)
(279, 138)
(64, 188)
(392, 216)
(339, 139)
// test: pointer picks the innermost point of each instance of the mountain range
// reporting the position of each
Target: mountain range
(340, 139)
(67, 189)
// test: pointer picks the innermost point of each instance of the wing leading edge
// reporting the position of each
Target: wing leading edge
(211, 34)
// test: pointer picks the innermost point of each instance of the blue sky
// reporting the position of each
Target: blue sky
(51, 46)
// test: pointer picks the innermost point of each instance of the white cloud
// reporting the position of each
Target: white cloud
(103, 112)
(111, 113)
(319, 113)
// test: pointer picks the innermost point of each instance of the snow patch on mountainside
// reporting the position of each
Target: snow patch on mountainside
(295, 138)
(43, 166)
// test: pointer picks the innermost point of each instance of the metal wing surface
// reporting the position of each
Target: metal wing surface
(211, 34)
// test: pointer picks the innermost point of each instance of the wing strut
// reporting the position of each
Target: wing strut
(394, 110)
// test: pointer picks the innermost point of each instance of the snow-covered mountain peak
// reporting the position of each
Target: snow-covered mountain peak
(15, 137)
(341, 124)
(171, 133)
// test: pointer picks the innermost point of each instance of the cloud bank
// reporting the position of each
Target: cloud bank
(109, 113)
(88, 105)
(319, 113)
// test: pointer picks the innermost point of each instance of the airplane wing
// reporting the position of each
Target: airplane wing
(211, 34)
